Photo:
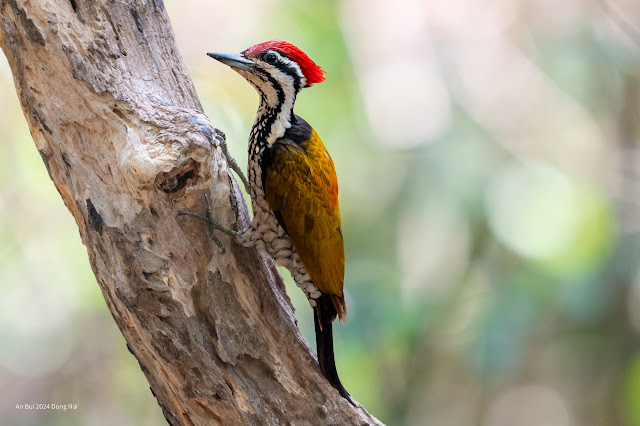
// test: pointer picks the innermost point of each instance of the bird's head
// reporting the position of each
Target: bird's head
(274, 65)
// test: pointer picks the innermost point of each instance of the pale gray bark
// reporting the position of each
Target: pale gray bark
(121, 131)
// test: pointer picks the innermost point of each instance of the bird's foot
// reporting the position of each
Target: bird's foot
(212, 224)
(233, 164)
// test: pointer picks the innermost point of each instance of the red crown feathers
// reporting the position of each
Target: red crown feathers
(312, 72)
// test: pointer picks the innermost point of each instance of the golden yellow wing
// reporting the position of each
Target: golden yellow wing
(300, 183)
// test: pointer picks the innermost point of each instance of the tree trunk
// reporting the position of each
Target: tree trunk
(121, 131)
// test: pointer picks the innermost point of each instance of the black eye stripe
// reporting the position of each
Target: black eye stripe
(291, 71)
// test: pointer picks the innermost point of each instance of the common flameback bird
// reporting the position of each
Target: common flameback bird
(293, 188)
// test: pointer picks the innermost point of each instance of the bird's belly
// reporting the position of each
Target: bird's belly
(269, 237)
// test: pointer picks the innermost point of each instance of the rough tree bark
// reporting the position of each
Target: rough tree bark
(122, 133)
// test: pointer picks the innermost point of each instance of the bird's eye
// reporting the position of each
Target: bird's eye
(270, 58)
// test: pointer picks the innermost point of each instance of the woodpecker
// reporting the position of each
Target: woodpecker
(293, 188)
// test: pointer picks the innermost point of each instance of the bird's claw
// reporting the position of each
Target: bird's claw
(212, 224)
(233, 164)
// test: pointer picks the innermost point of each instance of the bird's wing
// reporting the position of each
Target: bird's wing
(301, 186)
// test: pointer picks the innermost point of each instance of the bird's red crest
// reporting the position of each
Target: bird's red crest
(312, 72)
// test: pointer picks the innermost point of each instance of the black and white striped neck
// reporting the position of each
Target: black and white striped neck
(274, 116)
(278, 90)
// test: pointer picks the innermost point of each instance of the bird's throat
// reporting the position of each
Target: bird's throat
(274, 116)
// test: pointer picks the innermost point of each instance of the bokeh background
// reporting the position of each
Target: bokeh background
(488, 158)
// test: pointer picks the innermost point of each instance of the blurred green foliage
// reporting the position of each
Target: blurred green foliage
(489, 174)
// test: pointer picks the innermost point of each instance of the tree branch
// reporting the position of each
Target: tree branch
(121, 131)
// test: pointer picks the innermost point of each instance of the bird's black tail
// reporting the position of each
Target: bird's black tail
(324, 346)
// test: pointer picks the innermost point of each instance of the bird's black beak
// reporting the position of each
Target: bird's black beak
(235, 60)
